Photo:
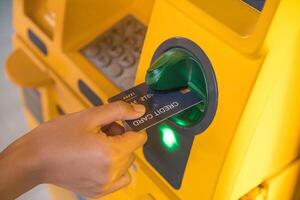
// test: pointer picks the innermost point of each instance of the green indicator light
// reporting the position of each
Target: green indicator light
(169, 138)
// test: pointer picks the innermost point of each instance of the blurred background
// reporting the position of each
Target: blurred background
(12, 121)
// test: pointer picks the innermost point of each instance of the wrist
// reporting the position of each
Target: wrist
(32, 160)
(19, 169)
(24, 157)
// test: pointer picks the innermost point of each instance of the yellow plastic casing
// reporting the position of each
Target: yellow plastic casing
(255, 133)
(73, 29)
(252, 146)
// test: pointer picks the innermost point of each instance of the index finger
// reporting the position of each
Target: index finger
(106, 114)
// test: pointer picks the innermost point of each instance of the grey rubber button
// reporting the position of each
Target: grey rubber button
(103, 60)
(92, 51)
(107, 40)
(115, 50)
(118, 31)
(116, 39)
(129, 42)
(136, 51)
(127, 82)
(139, 35)
(114, 70)
(127, 60)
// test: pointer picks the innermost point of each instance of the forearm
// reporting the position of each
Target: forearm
(18, 170)
(74, 152)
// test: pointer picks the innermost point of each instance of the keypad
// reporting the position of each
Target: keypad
(116, 52)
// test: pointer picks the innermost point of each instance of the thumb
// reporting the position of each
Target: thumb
(120, 110)
(130, 141)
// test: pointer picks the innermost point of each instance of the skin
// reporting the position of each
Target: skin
(86, 152)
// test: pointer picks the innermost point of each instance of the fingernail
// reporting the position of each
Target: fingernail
(139, 108)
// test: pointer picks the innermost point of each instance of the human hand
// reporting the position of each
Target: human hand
(86, 152)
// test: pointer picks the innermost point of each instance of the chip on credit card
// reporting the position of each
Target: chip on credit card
(159, 105)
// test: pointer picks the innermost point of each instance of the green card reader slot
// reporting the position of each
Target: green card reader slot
(175, 69)
(179, 63)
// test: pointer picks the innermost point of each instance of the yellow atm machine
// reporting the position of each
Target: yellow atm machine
(240, 56)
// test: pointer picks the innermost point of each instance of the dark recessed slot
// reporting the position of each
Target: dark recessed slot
(170, 161)
(257, 4)
(59, 110)
(37, 42)
(89, 94)
(32, 99)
